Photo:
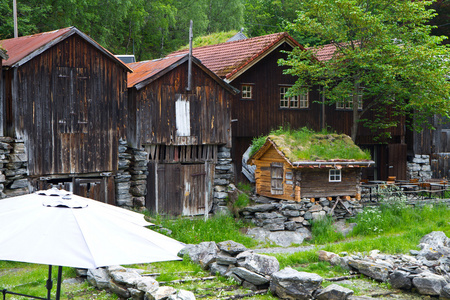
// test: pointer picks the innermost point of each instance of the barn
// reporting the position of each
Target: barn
(182, 119)
(64, 96)
(292, 167)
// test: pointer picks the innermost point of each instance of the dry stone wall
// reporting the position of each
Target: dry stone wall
(419, 168)
(13, 168)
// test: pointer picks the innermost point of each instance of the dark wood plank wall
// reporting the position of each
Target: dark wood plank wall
(155, 122)
(70, 108)
(315, 184)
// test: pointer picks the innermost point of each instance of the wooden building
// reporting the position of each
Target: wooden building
(181, 128)
(65, 96)
(282, 173)
(251, 65)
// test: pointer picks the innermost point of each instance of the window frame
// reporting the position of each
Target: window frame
(335, 175)
(300, 101)
(276, 178)
(347, 102)
(246, 94)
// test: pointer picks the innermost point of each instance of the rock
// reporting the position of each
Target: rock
(199, 251)
(281, 238)
(400, 280)
(147, 284)
(429, 284)
(136, 294)
(370, 269)
(334, 292)
(225, 259)
(125, 278)
(445, 292)
(231, 247)
(99, 278)
(436, 239)
(290, 225)
(258, 263)
(250, 276)
(118, 289)
(182, 295)
(326, 256)
(291, 284)
(260, 208)
(216, 268)
(161, 293)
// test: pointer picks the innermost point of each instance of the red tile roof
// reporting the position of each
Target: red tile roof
(144, 70)
(24, 48)
(227, 59)
(325, 52)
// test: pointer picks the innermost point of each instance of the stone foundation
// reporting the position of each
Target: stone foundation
(13, 168)
(419, 168)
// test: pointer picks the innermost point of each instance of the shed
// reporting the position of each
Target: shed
(65, 98)
(291, 169)
(180, 129)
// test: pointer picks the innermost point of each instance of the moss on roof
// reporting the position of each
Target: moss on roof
(307, 145)
(212, 39)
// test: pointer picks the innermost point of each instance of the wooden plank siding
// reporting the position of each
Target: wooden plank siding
(153, 119)
(315, 184)
(69, 105)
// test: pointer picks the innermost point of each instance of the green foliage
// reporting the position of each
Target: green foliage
(324, 232)
(217, 228)
(305, 144)
(384, 50)
(245, 187)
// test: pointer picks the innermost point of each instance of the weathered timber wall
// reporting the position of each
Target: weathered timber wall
(315, 184)
(69, 106)
(153, 120)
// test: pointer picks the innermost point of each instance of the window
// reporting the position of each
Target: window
(347, 103)
(276, 178)
(335, 175)
(297, 101)
(247, 91)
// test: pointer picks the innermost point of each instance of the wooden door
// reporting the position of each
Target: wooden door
(397, 161)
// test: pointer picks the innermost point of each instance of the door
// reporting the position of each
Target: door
(397, 161)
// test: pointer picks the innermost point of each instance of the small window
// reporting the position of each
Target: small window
(247, 91)
(335, 175)
(347, 103)
(276, 176)
(297, 101)
(289, 178)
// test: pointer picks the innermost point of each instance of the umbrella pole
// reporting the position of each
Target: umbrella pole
(49, 282)
(58, 284)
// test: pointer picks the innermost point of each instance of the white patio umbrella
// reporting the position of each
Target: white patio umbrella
(55, 227)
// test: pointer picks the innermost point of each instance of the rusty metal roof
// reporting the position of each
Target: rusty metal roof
(145, 72)
(228, 60)
(24, 48)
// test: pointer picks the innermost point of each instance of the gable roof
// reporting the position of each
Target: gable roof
(3, 54)
(25, 48)
(293, 151)
(325, 52)
(145, 72)
(231, 59)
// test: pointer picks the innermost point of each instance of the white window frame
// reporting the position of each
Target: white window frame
(296, 101)
(347, 103)
(276, 178)
(335, 175)
(247, 91)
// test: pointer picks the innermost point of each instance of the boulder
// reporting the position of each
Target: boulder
(291, 284)
(436, 239)
(400, 280)
(429, 283)
(199, 251)
(225, 259)
(216, 268)
(280, 238)
(99, 278)
(125, 278)
(161, 293)
(250, 276)
(258, 263)
(231, 247)
(445, 292)
(147, 284)
(118, 289)
(182, 295)
(373, 270)
(334, 292)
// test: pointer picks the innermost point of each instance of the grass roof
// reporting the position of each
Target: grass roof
(307, 145)
(211, 39)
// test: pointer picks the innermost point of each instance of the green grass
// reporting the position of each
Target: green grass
(306, 144)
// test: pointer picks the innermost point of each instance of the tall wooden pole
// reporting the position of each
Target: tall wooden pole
(16, 34)
(189, 87)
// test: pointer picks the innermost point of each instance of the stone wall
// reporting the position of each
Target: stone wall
(13, 168)
(223, 177)
(419, 168)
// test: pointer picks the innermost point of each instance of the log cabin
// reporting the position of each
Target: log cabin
(291, 168)
(64, 96)
(251, 65)
(180, 118)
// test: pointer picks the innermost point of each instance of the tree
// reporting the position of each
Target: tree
(384, 49)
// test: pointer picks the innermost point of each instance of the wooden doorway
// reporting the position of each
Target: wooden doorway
(180, 189)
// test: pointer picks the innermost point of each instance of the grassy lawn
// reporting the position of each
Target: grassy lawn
(391, 228)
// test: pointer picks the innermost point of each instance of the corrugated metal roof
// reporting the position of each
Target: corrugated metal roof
(227, 59)
(24, 48)
(144, 70)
